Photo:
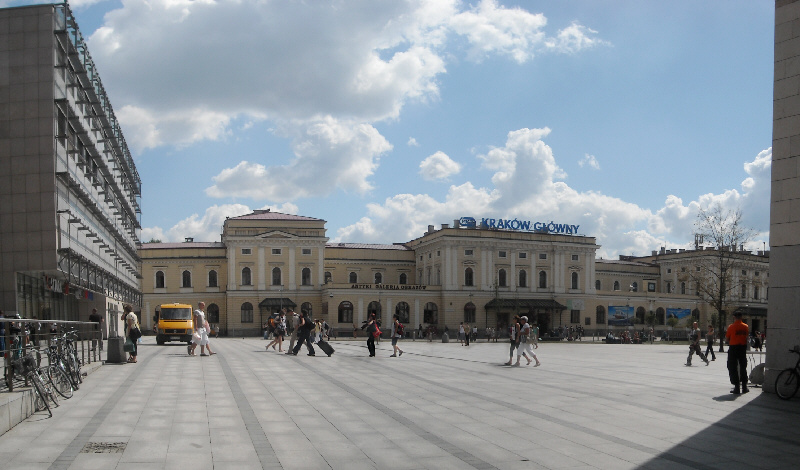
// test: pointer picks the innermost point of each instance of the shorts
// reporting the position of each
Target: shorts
(394, 341)
(203, 337)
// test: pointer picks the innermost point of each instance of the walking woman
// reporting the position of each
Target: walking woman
(372, 327)
(131, 322)
(280, 332)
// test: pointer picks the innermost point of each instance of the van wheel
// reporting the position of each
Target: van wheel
(159, 341)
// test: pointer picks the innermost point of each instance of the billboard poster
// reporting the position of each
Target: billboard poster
(684, 316)
(620, 316)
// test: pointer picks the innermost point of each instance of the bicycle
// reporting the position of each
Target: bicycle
(61, 354)
(43, 393)
(788, 381)
(57, 373)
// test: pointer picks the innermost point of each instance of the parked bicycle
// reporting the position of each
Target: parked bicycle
(67, 355)
(788, 381)
(43, 392)
(58, 374)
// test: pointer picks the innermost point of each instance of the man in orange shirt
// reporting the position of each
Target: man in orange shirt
(737, 335)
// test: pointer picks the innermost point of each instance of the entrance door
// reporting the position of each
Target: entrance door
(502, 324)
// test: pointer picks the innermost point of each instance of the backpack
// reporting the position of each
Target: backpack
(377, 332)
(400, 329)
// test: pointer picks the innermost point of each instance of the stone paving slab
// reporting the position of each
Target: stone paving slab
(439, 406)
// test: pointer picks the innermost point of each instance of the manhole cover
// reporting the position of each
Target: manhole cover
(103, 448)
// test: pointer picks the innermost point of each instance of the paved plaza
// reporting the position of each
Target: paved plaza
(439, 406)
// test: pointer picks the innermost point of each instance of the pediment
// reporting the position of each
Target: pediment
(275, 234)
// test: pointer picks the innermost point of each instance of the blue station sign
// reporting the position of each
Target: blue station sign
(520, 225)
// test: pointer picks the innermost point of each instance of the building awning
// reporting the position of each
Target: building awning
(752, 311)
(542, 304)
(278, 302)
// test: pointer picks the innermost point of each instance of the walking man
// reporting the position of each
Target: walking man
(201, 332)
(514, 334)
(694, 346)
(710, 337)
(295, 319)
(306, 326)
(397, 333)
(98, 328)
(737, 335)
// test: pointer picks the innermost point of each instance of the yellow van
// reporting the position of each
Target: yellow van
(174, 323)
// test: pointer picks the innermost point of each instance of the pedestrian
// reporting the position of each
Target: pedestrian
(200, 336)
(295, 319)
(97, 319)
(131, 324)
(420, 332)
(467, 334)
(461, 333)
(694, 346)
(280, 332)
(372, 327)
(710, 338)
(736, 335)
(397, 333)
(304, 329)
(526, 343)
(512, 333)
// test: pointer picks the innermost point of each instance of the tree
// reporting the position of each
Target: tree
(713, 275)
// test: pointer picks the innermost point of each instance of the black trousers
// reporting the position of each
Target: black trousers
(302, 337)
(710, 349)
(737, 364)
(371, 345)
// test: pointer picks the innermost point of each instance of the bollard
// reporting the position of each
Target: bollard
(445, 338)
(115, 353)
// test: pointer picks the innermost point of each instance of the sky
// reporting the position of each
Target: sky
(385, 116)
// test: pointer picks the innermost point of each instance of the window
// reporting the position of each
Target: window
(616, 285)
(469, 279)
(501, 278)
(523, 278)
(669, 287)
(276, 276)
(744, 291)
(403, 278)
(402, 310)
(523, 255)
(575, 316)
(430, 314)
(378, 278)
(755, 293)
(328, 277)
(212, 312)
(600, 315)
(669, 270)
(501, 254)
(542, 255)
(246, 280)
(542, 280)
(247, 251)
(757, 274)
(574, 277)
(597, 285)
(346, 312)
(634, 287)
(374, 307)
(306, 251)
(276, 251)
(651, 287)
(469, 313)
(468, 252)
(353, 278)
(683, 288)
(305, 277)
(247, 312)
(574, 257)
(187, 279)
(438, 253)
(306, 309)
(212, 278)
(160, 280)
(744, 272)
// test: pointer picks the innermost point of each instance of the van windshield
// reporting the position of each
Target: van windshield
(176, 314)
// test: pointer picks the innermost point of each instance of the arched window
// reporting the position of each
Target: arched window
(600, 315)
(160, 280)
(346, 312)
(247, 312)
(660, 316)
(683, 288)
(403, 278)
(574, 280)
(213, 313)
(212, 278)
(246, 280)
(374, 307)
(430, 314)
(187, 279)
(597, 284)
(501, 278)
(469, 279)
(305, 277)
(542, 280)
(616, 285)
(353, 278)
(378, 278)
(402, 310)
(744, 291)
(640, 313)
(306, 309)
(523, 278)
(328, 277)
(276, 276)
(469, 313)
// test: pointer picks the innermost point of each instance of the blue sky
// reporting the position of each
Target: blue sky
(383, 117)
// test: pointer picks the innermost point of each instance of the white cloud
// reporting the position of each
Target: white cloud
(438, 167)
(332, 154)
(590, 161)
(574, 38)
(412, 142)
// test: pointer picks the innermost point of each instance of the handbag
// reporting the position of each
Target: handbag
(377, 332)
(128, 346)
(135, 332)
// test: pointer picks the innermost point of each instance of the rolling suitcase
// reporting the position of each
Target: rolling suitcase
(326, 348)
